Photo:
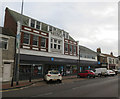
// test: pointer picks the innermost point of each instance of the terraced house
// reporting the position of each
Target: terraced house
(42, 46)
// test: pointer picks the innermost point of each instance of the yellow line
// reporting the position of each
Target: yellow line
(9, 90)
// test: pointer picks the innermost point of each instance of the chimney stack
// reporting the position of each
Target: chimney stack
(111, 53)
(99, 50)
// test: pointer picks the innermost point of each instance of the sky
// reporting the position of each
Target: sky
(93, 24)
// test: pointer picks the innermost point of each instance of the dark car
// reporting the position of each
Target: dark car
(86, 73)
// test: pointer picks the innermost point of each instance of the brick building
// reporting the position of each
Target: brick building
(42, 46)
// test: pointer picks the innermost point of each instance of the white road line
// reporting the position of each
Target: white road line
(43, 94)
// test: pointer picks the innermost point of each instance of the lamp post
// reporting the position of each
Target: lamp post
(18, 44)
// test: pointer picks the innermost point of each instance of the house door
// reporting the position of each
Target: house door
(6, 72)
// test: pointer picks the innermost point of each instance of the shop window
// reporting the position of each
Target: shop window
(26, 39)
(43, 42)
(32, 23)
(35, 40)
(38, 25)
(4, 43)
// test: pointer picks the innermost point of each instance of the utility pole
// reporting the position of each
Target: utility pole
(18, 44)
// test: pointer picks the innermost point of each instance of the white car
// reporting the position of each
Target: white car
(110, 73)
(53, 75)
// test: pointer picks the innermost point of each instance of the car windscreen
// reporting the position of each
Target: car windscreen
(54, 72)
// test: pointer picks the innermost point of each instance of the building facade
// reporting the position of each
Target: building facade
(42, 46)
(88, 58)
(7, 47)
(108, 61)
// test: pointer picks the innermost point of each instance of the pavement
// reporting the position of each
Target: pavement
(25, 83)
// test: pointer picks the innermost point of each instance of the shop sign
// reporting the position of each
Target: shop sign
(98, 62)
(52, 59)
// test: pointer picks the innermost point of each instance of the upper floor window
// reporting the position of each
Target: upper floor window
(26, 39)
(67, 35)
(35, 40)
(66, 47)
(64, 35)
(74, 49)
(110, 61)
(55, 41)
(32, 23)
(70, 48)
(4, 43)
(44, 27)
(43, 42)
(50, 28)
(38, 25)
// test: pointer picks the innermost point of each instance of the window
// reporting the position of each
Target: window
(43, 42)
(66, 47)
(110, 61)
(70, 48)
(44, 27)
(74, 49)
(50, 28)
(58, 46)
(51, 40)
(35, 40)
(26, 38)
(51, 45)
(55, 41)
(55, 46)
(38, 25)
(4, 43)
(64, 35)
(32, 23)
(59, 42)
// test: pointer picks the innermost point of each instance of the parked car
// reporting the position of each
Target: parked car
(110, 73)
(100, 72)
(116, 71)
(86, 73)
(53, 75)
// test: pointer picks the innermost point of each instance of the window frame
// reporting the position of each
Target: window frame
(45, 42)
(1, 40)
(37, 40)
(29, 39)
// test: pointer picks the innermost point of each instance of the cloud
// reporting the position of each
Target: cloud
(93, 24)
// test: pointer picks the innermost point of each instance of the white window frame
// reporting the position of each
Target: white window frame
(45, 42)
(4, 41)
(37, 40)
(29, 39)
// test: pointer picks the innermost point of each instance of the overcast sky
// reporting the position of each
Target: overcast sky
(93, 24)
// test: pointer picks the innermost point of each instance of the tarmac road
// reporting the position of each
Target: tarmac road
(98, 87)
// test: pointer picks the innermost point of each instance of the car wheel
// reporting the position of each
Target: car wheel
(60, 81)
(78, 76)
(93, 76)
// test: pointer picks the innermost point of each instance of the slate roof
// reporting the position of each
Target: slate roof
(17, 17)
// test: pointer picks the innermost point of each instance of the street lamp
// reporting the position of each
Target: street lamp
(18, 44)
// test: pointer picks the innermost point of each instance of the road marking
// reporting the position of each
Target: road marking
(43, 94)
(9, 90)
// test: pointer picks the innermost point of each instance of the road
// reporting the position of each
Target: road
(94, 87)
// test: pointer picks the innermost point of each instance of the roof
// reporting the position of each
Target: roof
(6, 31)
(70, 38)
(109, 55)
(86, 49)
(17, 16)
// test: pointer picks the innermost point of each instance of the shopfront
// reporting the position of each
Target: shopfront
(36, 66)
(88, 65)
